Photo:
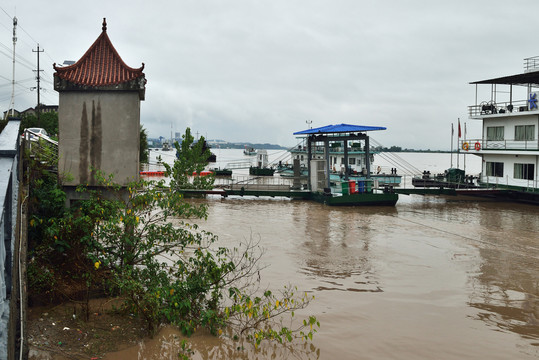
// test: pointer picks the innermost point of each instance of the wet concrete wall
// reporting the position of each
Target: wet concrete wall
(98, 130)
(9, 186)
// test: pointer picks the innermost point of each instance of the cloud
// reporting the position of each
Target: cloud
(258, 70)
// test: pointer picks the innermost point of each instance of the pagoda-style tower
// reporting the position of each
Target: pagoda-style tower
(99, 116)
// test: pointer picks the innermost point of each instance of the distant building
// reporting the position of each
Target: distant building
(7, 113)
(42, 108)
(31, 111)
(99, 115)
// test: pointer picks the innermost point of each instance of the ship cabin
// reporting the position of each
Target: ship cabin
(508, 107)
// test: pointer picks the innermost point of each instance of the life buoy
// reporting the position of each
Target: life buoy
(465, 146)
(478, 146)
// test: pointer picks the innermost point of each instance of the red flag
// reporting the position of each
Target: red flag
(460, 133)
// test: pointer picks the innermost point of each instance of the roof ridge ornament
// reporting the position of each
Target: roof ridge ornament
(104, 28)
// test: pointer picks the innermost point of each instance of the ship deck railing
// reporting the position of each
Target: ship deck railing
(476, 145)
(496, 108)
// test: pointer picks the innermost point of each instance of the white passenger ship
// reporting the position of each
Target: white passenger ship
(508, 106)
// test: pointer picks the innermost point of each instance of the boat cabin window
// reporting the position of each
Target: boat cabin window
(352, 161)
(524, 171)
(524, 132)
(495, 132)
(494, 169)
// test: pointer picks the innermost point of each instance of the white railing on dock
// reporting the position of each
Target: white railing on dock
(238, 165)
(261, 181)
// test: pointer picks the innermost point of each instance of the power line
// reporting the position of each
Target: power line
(17, 56)
(5, 12)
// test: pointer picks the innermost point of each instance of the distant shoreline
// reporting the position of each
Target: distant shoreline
(221, 144)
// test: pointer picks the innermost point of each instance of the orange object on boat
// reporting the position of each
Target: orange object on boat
(203, 173)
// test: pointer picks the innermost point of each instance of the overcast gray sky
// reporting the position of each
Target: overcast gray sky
(256, 71)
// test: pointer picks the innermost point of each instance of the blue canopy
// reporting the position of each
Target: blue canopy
(341, 128)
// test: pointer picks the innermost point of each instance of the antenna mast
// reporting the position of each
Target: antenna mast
(12, 104)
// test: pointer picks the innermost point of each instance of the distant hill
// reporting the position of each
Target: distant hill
(215, 143)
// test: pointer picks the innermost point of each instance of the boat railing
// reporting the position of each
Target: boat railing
(236, 182)
(456, 181)
(531, 64)
(476, 145)
(494, 108)
(242, 164)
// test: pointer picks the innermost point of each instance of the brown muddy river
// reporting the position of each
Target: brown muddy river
(432, 278)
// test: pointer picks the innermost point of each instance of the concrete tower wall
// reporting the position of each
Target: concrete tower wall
(98, 129)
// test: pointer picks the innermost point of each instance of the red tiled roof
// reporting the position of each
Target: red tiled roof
(101, 65)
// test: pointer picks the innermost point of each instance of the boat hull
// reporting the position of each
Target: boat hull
(261, 171)
(221, 172)
(363, 199)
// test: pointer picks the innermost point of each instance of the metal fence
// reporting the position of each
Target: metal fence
(9, 185)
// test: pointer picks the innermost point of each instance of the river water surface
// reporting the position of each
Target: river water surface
(431, 278)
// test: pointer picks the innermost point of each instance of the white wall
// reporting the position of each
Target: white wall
(508, 169)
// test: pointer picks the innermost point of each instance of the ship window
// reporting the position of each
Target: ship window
(494, 169)
(352, 161)
(301, 157)
(524, 132)
(524, 171)
(495, 133)
(342, 160)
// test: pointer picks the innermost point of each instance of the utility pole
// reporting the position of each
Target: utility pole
(12, 103)
(38, 78)
(452, 132)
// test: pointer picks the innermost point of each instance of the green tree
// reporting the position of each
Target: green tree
(191, 160)
(139, 243)
(144, 152)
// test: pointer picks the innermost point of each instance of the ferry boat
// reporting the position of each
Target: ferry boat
(348, 192)
(356, 166)
(166, 146)
(261, 168)
(509, 142)
(249, 151)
